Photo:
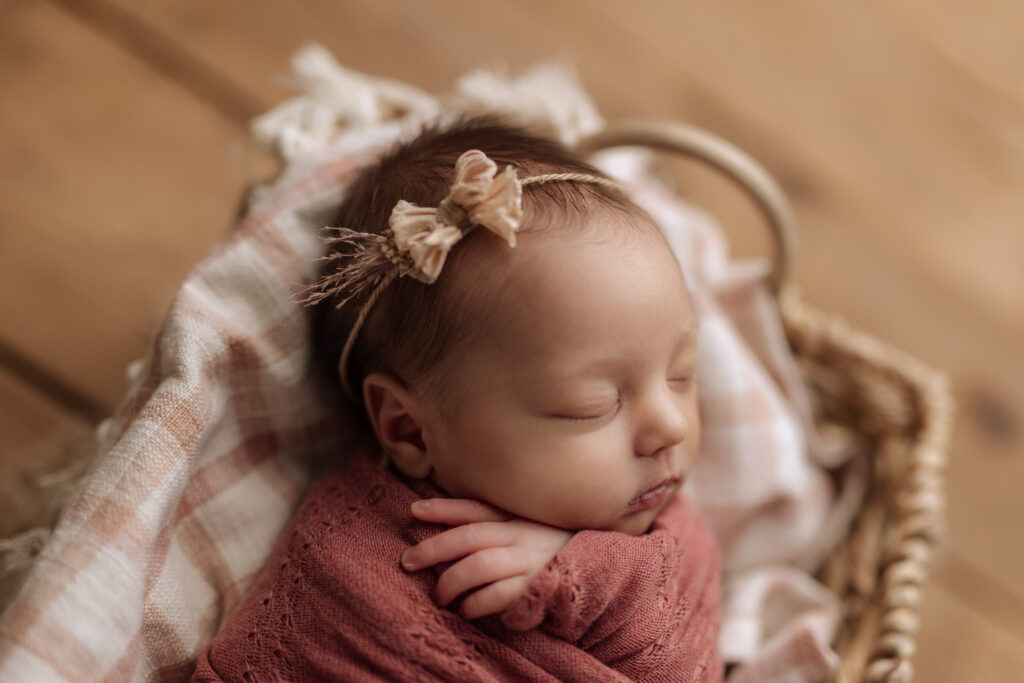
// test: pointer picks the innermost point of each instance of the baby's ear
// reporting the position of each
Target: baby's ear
(397, 420)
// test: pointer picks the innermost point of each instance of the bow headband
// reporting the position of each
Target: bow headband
(419, 238)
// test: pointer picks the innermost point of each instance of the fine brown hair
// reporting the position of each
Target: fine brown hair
(414, 329)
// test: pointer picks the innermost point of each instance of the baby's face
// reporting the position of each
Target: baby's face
(578, 408)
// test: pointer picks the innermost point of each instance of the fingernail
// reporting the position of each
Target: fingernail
(409, 559)
(421, 505)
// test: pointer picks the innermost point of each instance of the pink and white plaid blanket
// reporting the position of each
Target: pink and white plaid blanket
(217, 437)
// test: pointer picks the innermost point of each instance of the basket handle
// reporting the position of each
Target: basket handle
(680, 138)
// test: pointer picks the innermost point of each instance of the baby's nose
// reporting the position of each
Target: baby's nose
(664, 426)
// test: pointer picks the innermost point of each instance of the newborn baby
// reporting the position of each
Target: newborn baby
(521, 343)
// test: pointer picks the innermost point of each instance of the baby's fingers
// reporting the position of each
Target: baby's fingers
(495, 598)
(457, 511)
(458, 542)
(479, 569)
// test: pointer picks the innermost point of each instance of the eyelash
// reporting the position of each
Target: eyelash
(618, 404)
(611, 412)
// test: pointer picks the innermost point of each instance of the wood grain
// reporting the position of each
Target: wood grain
(37, 437)
(941, 157)
(116, 181)
(980, 39)
(958, 642)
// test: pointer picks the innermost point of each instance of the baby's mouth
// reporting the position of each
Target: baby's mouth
(653, 496)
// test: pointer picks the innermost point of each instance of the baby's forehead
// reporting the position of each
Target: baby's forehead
(568, 285)
(553, 240)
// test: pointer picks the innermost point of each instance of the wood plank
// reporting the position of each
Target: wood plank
(982, 39)
(37, 437)
(942, 153)
(116, 182)
(872, 123)
(447, 38)
(958, 642)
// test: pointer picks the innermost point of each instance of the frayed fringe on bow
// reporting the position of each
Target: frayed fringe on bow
(364, 265)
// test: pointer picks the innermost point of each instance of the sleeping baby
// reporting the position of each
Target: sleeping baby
(518, 336)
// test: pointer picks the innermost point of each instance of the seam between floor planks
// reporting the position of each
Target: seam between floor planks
(162, 53)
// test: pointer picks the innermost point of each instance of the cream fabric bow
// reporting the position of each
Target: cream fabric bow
(479, 196)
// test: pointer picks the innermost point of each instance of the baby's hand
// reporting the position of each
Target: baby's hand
(500, 552)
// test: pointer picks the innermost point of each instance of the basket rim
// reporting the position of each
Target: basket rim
(749, 175)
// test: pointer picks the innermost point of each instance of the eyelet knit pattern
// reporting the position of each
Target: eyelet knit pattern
(334, 604)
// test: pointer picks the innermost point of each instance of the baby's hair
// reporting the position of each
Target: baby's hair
(414, 329)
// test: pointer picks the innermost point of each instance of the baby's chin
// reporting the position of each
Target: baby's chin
(637, 524)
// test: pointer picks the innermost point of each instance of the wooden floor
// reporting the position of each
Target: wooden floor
(896, 126)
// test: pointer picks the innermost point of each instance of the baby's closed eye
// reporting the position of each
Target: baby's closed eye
(580, 402)
(587, 412)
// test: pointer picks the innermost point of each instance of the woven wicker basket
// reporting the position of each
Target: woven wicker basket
(901, 409)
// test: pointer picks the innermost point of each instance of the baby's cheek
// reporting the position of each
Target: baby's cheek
(694, 430)
(591, 503)
(691, 447)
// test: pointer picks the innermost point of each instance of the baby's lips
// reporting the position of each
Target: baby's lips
(655, 494)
